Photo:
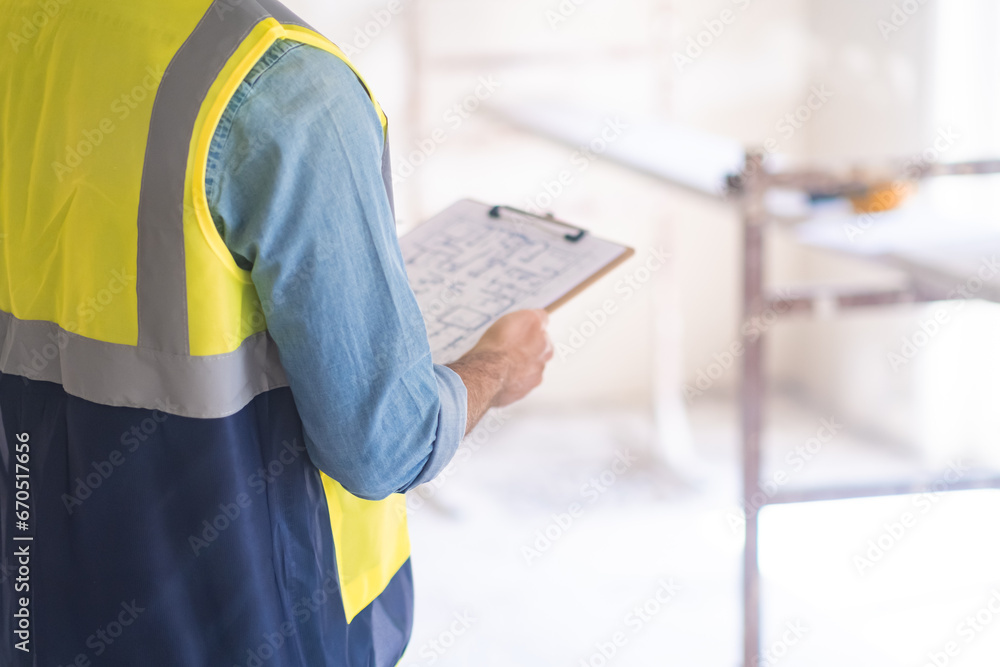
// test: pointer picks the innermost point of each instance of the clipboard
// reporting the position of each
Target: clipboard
(473, 263)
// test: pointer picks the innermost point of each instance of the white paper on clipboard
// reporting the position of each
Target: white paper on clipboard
(468, 268)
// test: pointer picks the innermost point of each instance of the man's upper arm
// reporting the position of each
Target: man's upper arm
(295, 186)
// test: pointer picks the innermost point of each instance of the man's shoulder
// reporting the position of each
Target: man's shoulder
(299, 68)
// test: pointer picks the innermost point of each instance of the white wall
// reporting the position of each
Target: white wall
(754, 73)
(896, 90)
(878, 112)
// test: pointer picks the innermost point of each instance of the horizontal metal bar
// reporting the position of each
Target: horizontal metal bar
(965, 168)
(845, 180)
(879, 490)
(817, 300)
(823, 299)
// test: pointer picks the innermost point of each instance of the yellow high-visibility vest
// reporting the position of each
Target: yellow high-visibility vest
(121, 307)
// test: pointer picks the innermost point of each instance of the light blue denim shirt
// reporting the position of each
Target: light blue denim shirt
(295, 187)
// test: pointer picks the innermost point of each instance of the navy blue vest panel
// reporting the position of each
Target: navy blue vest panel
(159, 540)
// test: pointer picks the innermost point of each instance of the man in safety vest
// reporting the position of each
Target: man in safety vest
(215, 382)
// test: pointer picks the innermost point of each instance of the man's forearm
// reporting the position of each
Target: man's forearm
(484, 374)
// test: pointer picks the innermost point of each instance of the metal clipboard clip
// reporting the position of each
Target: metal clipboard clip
(573, 236)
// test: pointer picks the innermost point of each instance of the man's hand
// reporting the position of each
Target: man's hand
(506, 363)
(520, 340)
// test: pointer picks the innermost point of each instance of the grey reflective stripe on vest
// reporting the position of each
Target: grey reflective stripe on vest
(161, 280)
(127, 376)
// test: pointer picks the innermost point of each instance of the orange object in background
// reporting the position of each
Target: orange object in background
(883, 197)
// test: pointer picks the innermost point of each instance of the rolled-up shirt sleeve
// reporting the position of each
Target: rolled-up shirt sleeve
(295, 187)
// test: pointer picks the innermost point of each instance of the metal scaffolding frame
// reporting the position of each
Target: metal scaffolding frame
(925, 285)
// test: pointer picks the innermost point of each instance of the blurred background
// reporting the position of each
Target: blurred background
(599, 522)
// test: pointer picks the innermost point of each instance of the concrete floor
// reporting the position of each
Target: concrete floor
(537, 548)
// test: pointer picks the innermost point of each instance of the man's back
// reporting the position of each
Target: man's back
(172, 514)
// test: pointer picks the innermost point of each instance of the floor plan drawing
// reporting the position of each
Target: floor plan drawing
(467, 269)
